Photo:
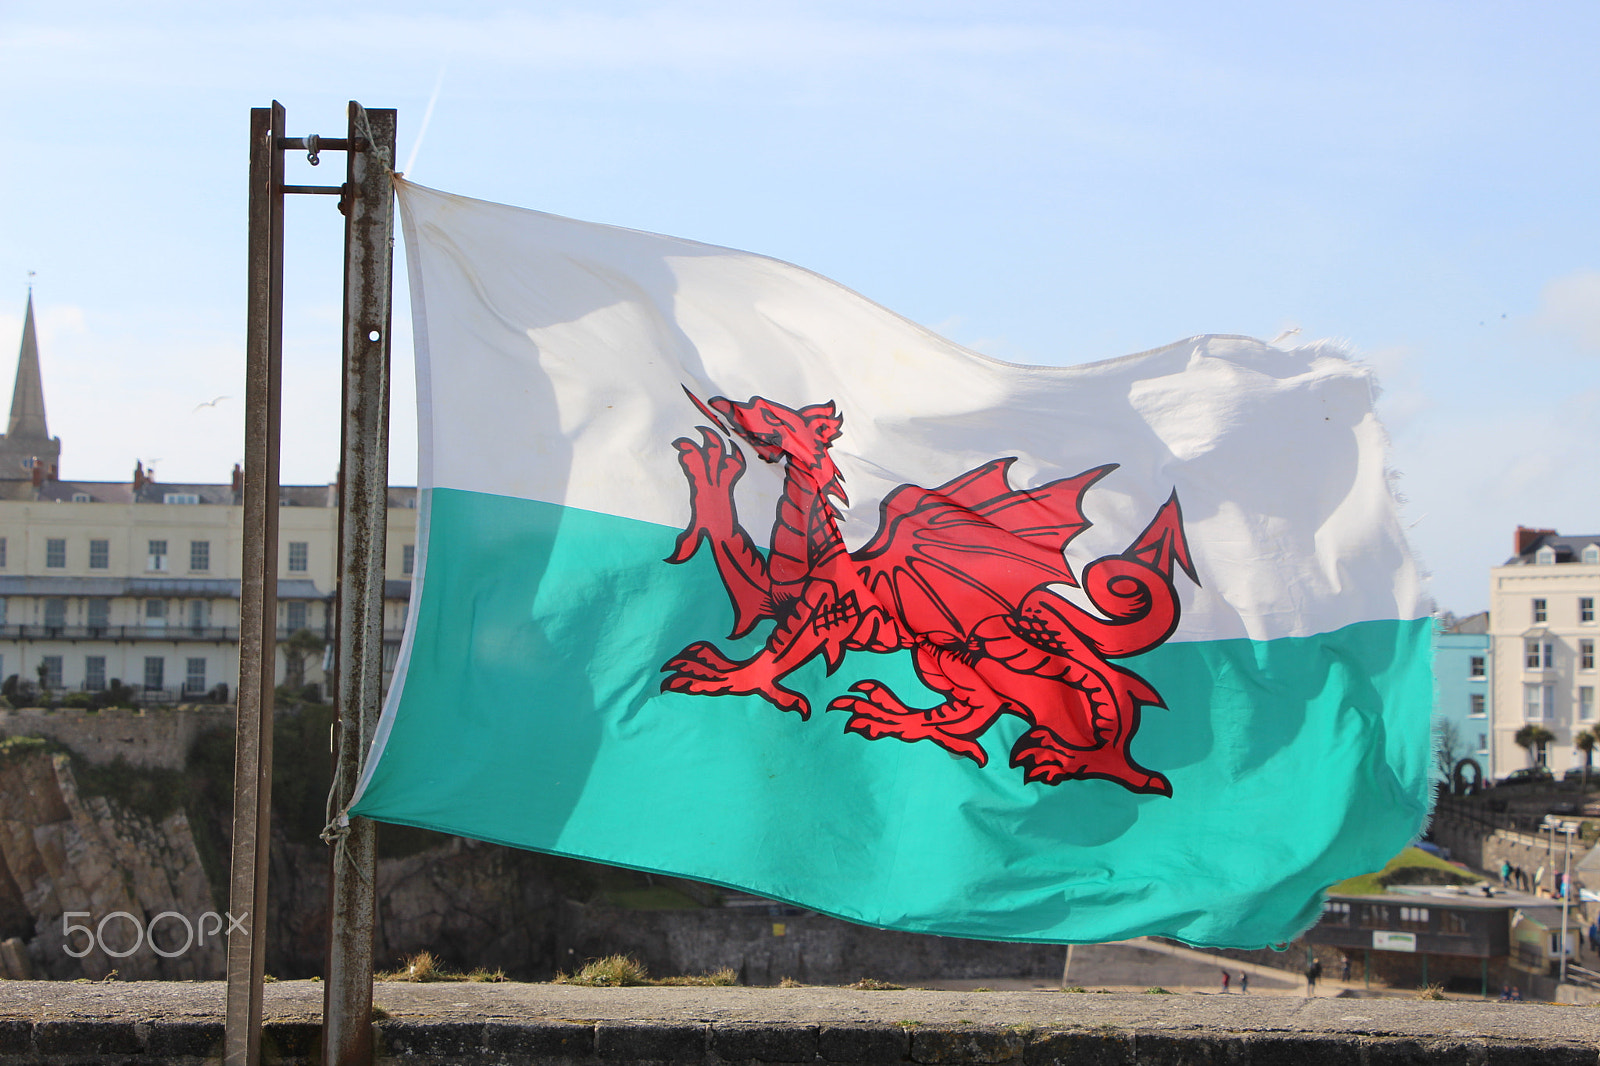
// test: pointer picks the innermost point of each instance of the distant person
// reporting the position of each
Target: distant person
(1505, 872)
(1313, 971)
(1344, 971)
(1224, 982)
(1244, 982)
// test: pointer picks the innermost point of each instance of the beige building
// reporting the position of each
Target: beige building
(138, 581)
(1544, 629)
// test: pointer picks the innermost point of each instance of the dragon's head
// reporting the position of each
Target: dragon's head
(777, 432)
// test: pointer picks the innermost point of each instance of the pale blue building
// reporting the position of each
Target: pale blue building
(1461, 691)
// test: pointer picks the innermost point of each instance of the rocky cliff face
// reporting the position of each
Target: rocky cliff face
(114, 870)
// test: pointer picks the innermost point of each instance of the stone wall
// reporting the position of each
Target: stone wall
(152, 738)
(810, 948)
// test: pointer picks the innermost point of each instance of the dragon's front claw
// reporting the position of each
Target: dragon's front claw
(702, 670)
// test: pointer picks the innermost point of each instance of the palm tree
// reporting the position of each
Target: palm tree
(1584, 742)
(1532, 737)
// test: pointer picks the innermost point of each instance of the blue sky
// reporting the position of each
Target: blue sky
(1045, 182)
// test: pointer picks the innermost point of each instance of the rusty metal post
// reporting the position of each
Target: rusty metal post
(363, 523)
(258, 595)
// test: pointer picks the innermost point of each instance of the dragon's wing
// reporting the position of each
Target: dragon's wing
(944, 558)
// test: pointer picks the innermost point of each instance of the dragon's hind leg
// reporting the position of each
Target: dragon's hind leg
(1042, 757)
(971, 706)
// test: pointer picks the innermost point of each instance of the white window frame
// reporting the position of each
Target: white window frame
(1586, 610)
(55, 553)
(99, 554)
(1541, 609)
(299, 552)
(1545, 556)
(94, 673)
(157, 556)
(1586, 654)
(1538, 701)
(1585, 703)
(190, 685)
(1477, 705)
(1538, 654)
(1591, 555)
(1478, 666)
(200, 556)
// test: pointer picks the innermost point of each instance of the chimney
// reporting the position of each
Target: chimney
(55, 472)
(38, 472)
(138, 475)
(1527, 538)
(238, 478)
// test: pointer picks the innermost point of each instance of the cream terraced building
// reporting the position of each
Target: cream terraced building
(1544, 629)
(139, 581)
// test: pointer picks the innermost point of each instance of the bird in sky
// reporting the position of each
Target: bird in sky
(210, 403)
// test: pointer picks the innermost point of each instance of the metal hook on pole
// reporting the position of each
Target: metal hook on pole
(313, 149)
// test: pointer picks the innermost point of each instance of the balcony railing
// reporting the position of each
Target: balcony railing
(229, 634)
(114, 633)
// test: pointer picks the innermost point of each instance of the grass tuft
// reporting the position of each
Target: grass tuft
(1431, 992)
(424, 968)
(716, 979)
(790, 982)
(872, 984)
(613, 971)
(1156, 990)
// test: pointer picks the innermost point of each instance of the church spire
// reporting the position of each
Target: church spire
(27, 396)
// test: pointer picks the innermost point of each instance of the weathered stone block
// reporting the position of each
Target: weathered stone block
(169, 1040)
(1275, 1050)
(291, 1042)
(16, 1037)
(1540, 1055)
(940, 1044)
(431, 1039)
(1184, 1049)
(864, 1043)
(650, 1041)
(1109, 1047)
(1424, 1053)
(86, 1038)
(568, 1041)
(740, 1041)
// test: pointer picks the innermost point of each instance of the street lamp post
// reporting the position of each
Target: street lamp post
(1566, 829)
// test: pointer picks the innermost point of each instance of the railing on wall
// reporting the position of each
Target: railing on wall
(177, 633)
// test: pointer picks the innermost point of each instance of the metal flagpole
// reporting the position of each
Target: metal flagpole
(366, 199)
(363, 520)
(1566, 896)
(258, 593)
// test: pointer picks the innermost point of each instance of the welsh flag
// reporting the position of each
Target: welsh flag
(729, 573)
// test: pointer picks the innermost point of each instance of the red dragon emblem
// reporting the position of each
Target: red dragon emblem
(959, 575)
